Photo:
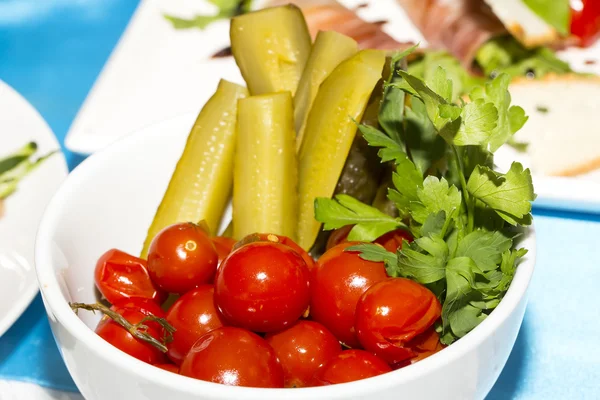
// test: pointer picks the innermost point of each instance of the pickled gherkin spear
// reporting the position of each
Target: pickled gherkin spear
(201, 183)
(270, 47)
(265, 169)
(329, 50)
(329, 134)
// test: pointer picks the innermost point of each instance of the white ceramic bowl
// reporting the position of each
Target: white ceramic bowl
(109, 201)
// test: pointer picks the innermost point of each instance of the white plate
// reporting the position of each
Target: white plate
(19, 124)
(157, 72)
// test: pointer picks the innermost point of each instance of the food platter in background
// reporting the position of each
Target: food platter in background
(157, 72)
(22, 210)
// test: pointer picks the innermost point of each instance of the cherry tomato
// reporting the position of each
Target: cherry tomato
(339, 279)
(263, 287)
(425, 344)
(302, 349)
(392, 313)
(168, 367)
(181, 257)
(235, 357)
(192, 315)
(338, 236)
(392, 241)
(585, 20)
(119, 276)
(134, 310)
(348, 366)
(269, 237)
(223, 246)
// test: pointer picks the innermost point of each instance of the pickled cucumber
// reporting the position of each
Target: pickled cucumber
(265, 170)
(201, 183)
(329, 50)
(330, 131)
(271, 46)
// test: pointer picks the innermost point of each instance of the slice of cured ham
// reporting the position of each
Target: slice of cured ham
(325, 15)
(459, 26)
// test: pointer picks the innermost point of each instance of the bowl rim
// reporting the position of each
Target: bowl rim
(58, 309)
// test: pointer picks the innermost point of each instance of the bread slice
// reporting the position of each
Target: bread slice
(563, 130)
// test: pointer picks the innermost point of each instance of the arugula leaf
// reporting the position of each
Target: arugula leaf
(425, 267)
(369, 223)
(376, 253)
(510, 194)
(556, 13)
(510, 119)
(435, 196)
(484, 248)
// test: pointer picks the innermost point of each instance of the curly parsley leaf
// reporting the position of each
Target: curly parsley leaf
(484, 248)
(424, 260)
(369, 223)
(376, 253)
(510, 194)
(510, 118)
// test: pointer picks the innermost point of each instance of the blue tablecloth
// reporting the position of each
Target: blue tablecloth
(51, 52)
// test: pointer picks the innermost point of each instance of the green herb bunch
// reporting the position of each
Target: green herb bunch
(464, 215)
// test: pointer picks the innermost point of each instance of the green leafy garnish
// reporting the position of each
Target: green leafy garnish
(556, 13)
(225, 9)
(461, 212)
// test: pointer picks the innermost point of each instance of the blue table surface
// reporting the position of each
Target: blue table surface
(51, 51)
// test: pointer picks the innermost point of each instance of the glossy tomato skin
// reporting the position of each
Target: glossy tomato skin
(263, 287)
(348, 366)
(233, 356)
(339, 279)
(134, 310)
(302, 349)
(168, 367)
(391, 314)
(120, 276)
(585, 21)
(181, 257)
(270, 237)
(223, 246)
(392, 241)
(192, 315)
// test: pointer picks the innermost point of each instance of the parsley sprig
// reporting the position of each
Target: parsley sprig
(464, 215)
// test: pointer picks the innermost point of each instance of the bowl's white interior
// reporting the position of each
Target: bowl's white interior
(109, 201)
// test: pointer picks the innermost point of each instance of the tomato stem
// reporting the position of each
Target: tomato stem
(139, 330)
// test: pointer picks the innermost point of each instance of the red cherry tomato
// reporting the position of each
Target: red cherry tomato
(339, 279)
(585, 21)
(235, 357)
(348, 366)
(120, 276)
(263, 287)
(192, 315)
(302, 349)
(426, 344)
(269, 237)
(168, 367)
(392, 313)
(223, 246)
(134, 310)
(181, 257)
(392, 241)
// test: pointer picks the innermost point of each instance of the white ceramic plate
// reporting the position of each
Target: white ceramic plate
(19, 124)
(157, 72)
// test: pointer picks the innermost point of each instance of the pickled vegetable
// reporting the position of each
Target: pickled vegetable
(201, 184)
(330, 132)
(270, 47)
(265, 173)
(329, 50)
